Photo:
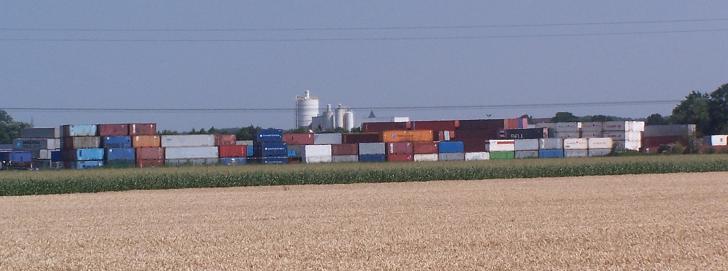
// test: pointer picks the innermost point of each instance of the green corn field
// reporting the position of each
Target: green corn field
(15, 183)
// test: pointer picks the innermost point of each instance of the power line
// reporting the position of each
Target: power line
(402, 38)
(358, 108)
(364, 28)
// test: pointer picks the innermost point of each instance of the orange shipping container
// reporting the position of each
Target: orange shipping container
(146, 141)
(407, 136)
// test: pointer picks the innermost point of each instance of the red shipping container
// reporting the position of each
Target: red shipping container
(484, 134)
(150, 163)
(142, 129)
(149, 153)
(378, 127)
(436, 125)
(298, 138)
(360, 138)
(232, 151)
(474, 145)
(424, 147)
(225, 140)
(344, 149)
(400, 157)
(113, 129)
(496, 124)
(444, 135)
(399, 148)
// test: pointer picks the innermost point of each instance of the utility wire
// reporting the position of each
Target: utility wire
(403, 38)
(354, 28)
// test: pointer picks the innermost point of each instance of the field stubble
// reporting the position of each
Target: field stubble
(672, 221)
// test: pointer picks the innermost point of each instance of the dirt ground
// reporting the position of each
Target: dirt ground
(674, 221)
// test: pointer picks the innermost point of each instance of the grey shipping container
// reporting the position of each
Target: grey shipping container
(194, 162)
(327, 139)
(41, 132)
(526, 154)
(576, 153)
(686, 130)
(451, 156)
(551, 143)
(345, 158)
(599, 152)
(371, 148)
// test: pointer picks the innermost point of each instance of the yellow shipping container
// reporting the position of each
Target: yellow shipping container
(407, 136)
(146, 141)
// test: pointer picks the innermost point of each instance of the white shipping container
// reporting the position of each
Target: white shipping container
(717, 140)
(45, 154)
(566, 126)
(576, 153)
(592, 126)
(477, 156)
(172, 153)
(600, 143)
(371, 148)
(526, 144)
(549, 125)
(327, 139)
(576, 144)
(622, 135)
(616, 126)
(500, 145)
(551, 143)
(317, 154)
(425, 157)
(599, 152)
(564, 135)
(345, 158)
(451, 156)
(638, 126)
(188, 140)
(622, 146)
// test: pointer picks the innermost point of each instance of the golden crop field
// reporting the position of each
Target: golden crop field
(632, 222)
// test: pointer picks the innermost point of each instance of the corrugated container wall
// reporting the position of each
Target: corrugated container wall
(576, 144)
(378, 127)
(190, 152)
(113, 129)
(436, 125)
(424, 147)
(407, 136)
(372, 148)
(360, 138)
(501, 145)
(79, 130)
(225, 140)
(142, 129)
(298, 138)
(141, 141)
(81, 142)
(327, 139)
(116, 142)
(451, 147)
(526, 144)
(345, 149)
(188, 141)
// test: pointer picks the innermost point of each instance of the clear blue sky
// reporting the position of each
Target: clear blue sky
(358, 73)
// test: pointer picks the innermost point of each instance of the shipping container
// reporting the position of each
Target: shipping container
(599, 152)
(295, 151)
(298, 138)
(488, 124)
(81, 142)
(473, 145)
(44, 155)
(443, 135)
(244, 142)
(16, 157)
(270, 136)
(716, 140)
(79, 130)
(379, 127)
(191, 161)
(250, 150)
(425, 147)
(116, 142)
(41, 133)
(273, 160)
(233, 161)
(372, 157)
(451, 156)
(532, 133)
(345, 149)
(360, 138)
(407, 136)
(345, 158)
(576, 144)
(113, 129)
(89, 154)
(146, 141)
(400, 157)
(679, 130)
(600, 143)
(621, 135)
(526, 154)
(592, 126)
(316, 154)
(551, 153)
(232, 151)
(150, 153)
(526, 144)
(482, 134)
(84, 164)
(551, 143)
(36, 143)
(56, 156)
(225, 140)
(477, 156)
(549, 125)
(500, 145)
(451, 147)
(435, 125)
(565, 135)
(399, 148)
(567, 126)
(502, 155)
(425, 157)
(172, 153)
(575, 153)
(372, 148)
(188, 141)
(142, 129)
(617, 126)
(622, 146)
(327, 139)
(149, 163)
(590, 134)
(113, 154)
(271, 150)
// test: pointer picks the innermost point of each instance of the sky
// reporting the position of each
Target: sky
(521, 69)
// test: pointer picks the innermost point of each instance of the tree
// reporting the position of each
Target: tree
(694, 109)
(656, 119)
(9, 128)
(564, 117)
(719, 111)
(212, 130)
(248, 133)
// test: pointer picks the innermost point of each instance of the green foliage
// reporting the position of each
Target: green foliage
(564, 117)
(298, 130)
(695, 109)
(9, 128)
(719, 111)
(248, 133)
(656, 119)
(168, 132)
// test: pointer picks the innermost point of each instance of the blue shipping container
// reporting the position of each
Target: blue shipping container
(451, 147)
(293, 153)
(116, 142)
(250, 151)
(56, 156)
(272, 150)
(79, 130)
(233, 161)
(84, 164)
(270, 135)
(89, 154)
(120, 154)
(554, 153)
(372, 158)
(274, 160)
(16, 156)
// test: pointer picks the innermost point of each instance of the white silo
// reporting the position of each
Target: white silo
(348, 120)
(329, 118)
(339, 121)
(307, 107)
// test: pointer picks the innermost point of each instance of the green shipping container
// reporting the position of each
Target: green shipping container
(502, 155)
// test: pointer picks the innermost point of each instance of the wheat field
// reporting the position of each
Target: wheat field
(662, 222)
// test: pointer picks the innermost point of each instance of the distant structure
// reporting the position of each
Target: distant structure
(307, 107)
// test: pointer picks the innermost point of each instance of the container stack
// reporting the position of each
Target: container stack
(451, 151)
(372, 152)
(44, 144)
(528, 133)
(16, 159)
(475, 133)
(576, 147)
(400, 151)
(657, 135)
(425, 151)
(189, 150)
(442, 130)
(600, 146)
(118, 148)
(504, 149)
(147, 145)
(526, 148)
(270, 148)
(229, 152)
(627, 135)
(551, 148)
(81, 147)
